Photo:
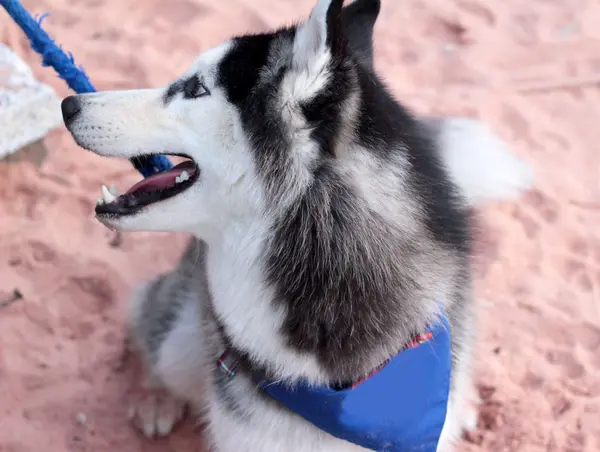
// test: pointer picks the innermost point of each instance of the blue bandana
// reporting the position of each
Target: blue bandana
(400, 408)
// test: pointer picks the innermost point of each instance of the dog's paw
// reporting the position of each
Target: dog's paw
(156, 412)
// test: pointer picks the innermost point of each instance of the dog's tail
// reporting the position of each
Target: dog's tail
(478, 161)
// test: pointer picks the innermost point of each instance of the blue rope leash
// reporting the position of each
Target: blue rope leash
(64, 65)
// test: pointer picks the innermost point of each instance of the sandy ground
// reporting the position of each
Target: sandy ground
(530, 69)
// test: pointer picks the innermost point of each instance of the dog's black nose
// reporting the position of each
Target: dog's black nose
(70, 107)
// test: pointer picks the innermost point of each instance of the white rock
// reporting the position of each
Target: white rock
(81, 418)
(28, 109)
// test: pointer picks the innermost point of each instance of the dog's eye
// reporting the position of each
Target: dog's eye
(193, 88)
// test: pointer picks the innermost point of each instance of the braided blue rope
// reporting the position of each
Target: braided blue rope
(64, 65)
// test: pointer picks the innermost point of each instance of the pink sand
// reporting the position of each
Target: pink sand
(529, 69)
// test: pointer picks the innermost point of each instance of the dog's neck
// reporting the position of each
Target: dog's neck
(244, 303)
(254, 319)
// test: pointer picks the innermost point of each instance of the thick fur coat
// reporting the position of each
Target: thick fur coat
(329, 224)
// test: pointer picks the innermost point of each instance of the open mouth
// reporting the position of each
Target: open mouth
(158, 187)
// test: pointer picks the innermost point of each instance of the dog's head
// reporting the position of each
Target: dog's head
(254, 118)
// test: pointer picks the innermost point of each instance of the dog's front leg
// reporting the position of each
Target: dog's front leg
(167, 353)
(153, 409)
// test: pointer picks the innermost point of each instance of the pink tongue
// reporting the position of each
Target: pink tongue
(162, 180)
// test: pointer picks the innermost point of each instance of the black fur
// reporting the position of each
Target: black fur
(382, 123)
(240, 70)
(359, 17)
(191, 88)
(323, 113)
(352, 284)
(174, 89)
(239, 74)
(337, 39)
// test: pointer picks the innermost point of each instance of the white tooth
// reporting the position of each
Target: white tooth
(108, 196)
(99, 201)
(113, 190)
(177, 180)
(184, 176)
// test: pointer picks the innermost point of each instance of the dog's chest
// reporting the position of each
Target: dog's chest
(244, 306)
(400, 407)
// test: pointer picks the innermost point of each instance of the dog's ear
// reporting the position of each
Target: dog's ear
(359, 17)
(321, 37)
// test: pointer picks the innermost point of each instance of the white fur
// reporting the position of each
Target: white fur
(226, 208)
(245, 303)
(309, 45)
(183, 370)
(128, 123)
(480, 163)
(227, 201)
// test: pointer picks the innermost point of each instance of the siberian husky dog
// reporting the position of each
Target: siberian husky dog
(329, 224)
